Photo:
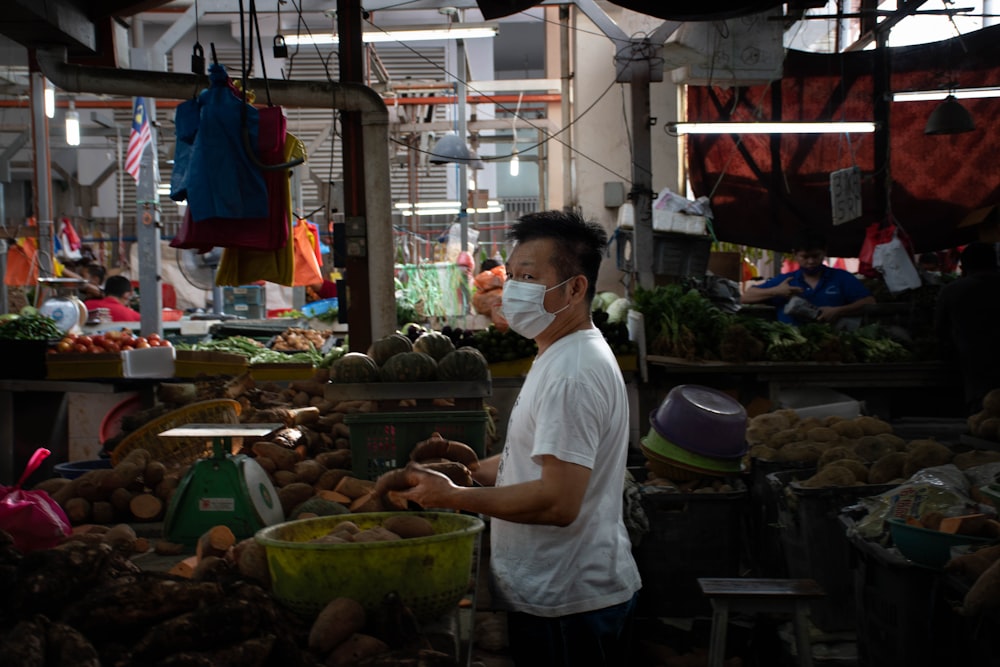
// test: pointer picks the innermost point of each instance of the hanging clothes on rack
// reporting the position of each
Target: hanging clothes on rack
(222, 179)
(241, 266)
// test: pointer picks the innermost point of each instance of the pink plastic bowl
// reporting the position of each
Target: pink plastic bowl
(702, 420)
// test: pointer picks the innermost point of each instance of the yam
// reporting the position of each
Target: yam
(333, 496)
(367, 503)
(925, 454)
(989, 428)
(101, 511)
(991, 402)
(870, 448)
(77, 510)
(376, 534)
(215, 541)
(283, 457)
(453, 470)
(339, 619)
(831, 475)
(138, 456)
(763, 452)
(52, 485)
(848, 429)
(975, 421)
(354, 649)
(146, 507)
(873, 425)
(857, 468)
(831, 454)
(167, 548)
(409, 526)
(354, 488)
(154, 473)
(184, 568)
(975, 457)
(784, 437)
(269, 466)
(888, 468)
(165, 489)
(210, 568)
(892, 439)
(251, 561)
(331, 478)
(294, 494)
(317, 506)
(337, 458)
(120, 500)
(822, 434)
(984, 594)
(309, 470)
(283, 478)
(974, 564)
(799, 451)
(121, 536)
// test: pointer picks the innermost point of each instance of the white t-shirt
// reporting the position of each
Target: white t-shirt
(573, 406)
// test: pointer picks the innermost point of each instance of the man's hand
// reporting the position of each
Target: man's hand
(829, 314)
(786, 289)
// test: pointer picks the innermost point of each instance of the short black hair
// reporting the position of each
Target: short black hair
(117, 286)
(979, 256)
(580, 243)
(488, 264)
(809, 239)
(96, 271)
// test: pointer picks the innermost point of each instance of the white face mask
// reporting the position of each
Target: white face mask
(523, 307)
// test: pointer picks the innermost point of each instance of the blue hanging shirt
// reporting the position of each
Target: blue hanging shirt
(222, 181)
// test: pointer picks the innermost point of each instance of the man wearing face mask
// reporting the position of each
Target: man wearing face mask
(560, 559)
(814, 292)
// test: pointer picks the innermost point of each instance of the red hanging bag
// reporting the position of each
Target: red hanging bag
(32, 518)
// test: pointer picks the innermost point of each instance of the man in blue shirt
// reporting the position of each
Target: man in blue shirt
(833, 293)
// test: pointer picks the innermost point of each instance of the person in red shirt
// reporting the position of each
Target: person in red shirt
(117, 293)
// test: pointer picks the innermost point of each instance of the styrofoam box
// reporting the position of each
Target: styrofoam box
(819, 402)
(148, 362)
(665, 221)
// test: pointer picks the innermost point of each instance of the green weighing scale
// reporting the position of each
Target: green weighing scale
(226, 489)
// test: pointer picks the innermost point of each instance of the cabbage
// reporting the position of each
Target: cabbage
(602, 300)
(618, 310)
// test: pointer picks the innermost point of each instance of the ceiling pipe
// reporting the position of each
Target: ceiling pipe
(302, 94)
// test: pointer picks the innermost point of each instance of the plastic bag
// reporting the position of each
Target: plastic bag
(893, 260)
(307, 270)
(875, 234)
(32, 518)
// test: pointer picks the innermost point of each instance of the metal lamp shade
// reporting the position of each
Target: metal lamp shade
(450, 148)
(950, 117)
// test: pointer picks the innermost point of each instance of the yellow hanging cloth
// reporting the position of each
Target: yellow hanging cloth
(240, 267)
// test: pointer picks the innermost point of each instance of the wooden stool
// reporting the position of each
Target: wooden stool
(752, 596)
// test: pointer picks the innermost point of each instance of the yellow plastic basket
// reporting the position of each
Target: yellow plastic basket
(182, 451)
(430, 574)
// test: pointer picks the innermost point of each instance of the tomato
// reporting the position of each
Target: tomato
(51, 350)
(153, 343)
(84, 340)
(153, 336)
(64, 345)
(141, 344)
(96, 349)
(127, 346)
(113, 335)
(79, 347)
(98, 340)
(166, 343)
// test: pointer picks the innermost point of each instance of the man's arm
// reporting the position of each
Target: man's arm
(760, 294)
(553, 500)
(834, 313)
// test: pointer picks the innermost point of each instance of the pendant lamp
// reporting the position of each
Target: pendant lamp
(450, 148)
(950, 117)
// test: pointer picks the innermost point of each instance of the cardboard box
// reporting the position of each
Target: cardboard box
(149, 362)
(679, 222)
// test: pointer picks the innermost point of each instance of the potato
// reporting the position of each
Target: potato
(871, 448)
(848, 429)
(376, 534)
(831, 454)
(763, 452)
(925, 454)
(339, 619)
(857, 468)
(832, 475)
(799, 451)
(873, 425)
(822, 434)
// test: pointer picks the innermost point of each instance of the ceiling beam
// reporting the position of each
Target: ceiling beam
(906, 8)
(32, 23)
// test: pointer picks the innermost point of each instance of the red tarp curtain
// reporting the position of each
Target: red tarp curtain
(766, 189)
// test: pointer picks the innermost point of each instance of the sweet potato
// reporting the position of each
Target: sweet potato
(355, 648)
(984, 595)
(394, 480)
(973, 564)
(283, 457)
(294, 494)
(436, 447)
(409, 525)
(338, 458)
(354, 488)
(215, 541)
(339, 619)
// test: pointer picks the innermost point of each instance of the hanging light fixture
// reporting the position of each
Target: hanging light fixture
(950, 117)
(72, 125)
(450, 148)
(49, 98)
(515, 164)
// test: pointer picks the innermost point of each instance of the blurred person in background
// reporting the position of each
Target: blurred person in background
(117, 295)
(967, 322)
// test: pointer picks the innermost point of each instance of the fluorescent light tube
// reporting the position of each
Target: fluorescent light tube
(49, 97)
(401, 34)
(72, 126)
(937, 95)
(515, 164)
(832, 127)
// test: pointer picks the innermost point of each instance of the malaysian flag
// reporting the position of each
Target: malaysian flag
(138, 138)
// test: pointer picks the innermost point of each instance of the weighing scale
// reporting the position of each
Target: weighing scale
(226, 489)
(64, 307)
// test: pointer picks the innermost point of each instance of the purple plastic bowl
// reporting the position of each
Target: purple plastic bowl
(703, 421)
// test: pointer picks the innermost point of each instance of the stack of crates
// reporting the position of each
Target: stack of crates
(247, 301)
(691, 535)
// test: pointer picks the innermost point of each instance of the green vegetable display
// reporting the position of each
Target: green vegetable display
(681, 322)
(29, 327)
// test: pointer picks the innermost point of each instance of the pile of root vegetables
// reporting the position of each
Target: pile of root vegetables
(309, 459)
(86, 603)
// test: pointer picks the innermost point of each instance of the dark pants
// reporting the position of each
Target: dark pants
(599, 637)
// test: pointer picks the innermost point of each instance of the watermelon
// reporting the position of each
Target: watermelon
(388, 346)
(435, 344)
(354, 367)
(466, 364)
(409, 367)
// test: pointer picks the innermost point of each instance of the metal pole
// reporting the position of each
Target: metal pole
(642, 174)
(43, 174)
(463, 167)
(568, 194)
